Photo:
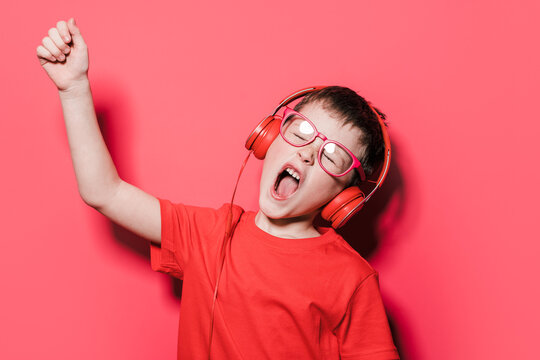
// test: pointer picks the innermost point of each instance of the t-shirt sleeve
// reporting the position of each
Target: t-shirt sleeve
(187, 232)
(364, 332)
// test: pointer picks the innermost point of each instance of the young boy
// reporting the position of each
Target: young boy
(288, 290)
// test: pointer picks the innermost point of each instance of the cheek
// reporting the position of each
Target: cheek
(324, 183)
(277, 147)
(270, 156)
(277, 153)
(332, 185)
(271, 161)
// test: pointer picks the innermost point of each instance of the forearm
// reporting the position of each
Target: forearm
(96, 174)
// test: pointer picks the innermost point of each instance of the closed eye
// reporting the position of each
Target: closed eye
(326, 156)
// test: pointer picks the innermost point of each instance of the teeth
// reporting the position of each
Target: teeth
(293, 173)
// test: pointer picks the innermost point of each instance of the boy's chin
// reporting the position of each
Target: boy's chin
(281, 213)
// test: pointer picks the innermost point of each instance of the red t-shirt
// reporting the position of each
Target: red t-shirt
(312, 298)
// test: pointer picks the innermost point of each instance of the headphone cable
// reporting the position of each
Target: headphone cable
(226, 238)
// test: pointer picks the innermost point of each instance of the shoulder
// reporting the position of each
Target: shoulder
(235, 210)
(347, 262)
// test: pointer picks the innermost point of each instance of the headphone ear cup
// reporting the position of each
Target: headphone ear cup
(264, 134)
(341, 208)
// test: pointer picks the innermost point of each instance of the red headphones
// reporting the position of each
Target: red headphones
(348, 202)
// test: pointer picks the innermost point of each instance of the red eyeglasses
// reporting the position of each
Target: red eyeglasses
(334, 158)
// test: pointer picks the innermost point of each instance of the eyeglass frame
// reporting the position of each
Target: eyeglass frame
(356, 164)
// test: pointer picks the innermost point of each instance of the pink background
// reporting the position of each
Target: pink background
(178, 87)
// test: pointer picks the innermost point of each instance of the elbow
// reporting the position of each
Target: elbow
(90, 201)
(98, 197)
(97, 200)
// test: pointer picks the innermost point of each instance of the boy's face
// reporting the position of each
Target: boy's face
(315, 188)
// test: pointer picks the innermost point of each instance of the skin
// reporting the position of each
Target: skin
(293, 217)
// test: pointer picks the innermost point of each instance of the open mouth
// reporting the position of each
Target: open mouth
(287, 183)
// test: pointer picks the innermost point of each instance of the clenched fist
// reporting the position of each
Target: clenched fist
(64, 55)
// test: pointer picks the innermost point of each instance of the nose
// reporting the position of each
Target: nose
(308, 153)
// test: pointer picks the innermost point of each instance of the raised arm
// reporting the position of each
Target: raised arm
(63, 55)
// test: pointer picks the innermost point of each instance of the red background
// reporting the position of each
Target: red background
(179, 86)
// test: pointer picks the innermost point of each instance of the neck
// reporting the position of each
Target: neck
(289, 228)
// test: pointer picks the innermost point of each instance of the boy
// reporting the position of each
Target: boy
(288, 290)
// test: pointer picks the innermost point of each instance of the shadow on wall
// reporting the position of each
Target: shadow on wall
(360, 232)
(113, 118)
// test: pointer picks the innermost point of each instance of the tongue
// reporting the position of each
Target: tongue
(287, 186)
